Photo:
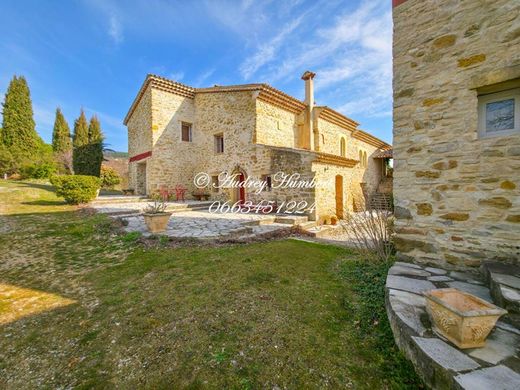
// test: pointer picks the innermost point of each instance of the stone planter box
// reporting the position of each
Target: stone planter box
(157, 223)
(462, 318)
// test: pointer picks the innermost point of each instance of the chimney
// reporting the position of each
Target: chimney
(308, 131)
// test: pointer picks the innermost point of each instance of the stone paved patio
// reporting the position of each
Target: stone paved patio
(441, 365)
(191, 219)
(205, 225)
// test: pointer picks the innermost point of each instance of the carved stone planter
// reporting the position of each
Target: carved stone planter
(462, 318)
(157, 223)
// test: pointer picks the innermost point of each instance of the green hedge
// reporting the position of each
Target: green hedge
(76, 189)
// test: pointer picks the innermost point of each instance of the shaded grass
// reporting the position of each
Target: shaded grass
(285, 314)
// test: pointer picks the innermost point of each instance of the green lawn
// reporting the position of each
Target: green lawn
(83, 306)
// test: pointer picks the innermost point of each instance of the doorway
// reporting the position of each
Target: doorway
(339, 196)
(141, 179)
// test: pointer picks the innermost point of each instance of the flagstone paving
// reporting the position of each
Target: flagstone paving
(441, 365)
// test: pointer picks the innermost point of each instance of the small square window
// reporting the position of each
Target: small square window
(214, 183)
(499, 113)
(269, 183)
(186, 132)
(219, 143)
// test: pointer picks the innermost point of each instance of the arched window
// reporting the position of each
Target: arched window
(361, 158)
(365, 159)
(342, 148)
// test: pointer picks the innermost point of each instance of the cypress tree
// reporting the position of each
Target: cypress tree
(61, 142)
(95, 136)
(18, 127)
(80, 143)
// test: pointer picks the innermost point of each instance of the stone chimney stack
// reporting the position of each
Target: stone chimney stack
(308, 131)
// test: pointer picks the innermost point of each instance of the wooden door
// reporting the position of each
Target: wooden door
(339, 196)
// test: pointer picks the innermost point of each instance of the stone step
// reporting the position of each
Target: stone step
(307, 225)
(318, 231)
(106, 199)
(263, 221)
(291, 219)
(504, 284)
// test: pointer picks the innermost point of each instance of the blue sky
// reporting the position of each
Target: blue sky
(96, 53)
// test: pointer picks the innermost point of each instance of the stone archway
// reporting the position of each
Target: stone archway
(238, 193)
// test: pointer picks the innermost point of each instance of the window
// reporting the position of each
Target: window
(499, 113)
(186, 132)
(267, 179)
(361, 158)
(365, 159)
(342, 148)
(219, 143)
(214, 183)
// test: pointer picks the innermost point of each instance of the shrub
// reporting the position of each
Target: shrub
(76, 189)
(109, 177)
(42, 170)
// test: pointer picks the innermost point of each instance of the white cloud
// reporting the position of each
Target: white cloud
(115, 30)
(267, 51)
(351, 54)
(176, 76)
(201, 80)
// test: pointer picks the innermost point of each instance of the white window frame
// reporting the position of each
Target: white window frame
(483, 100)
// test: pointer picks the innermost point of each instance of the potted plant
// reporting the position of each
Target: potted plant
(460, 317)
(155, 216)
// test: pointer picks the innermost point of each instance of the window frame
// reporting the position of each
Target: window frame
(485, 99)
(343, 147)
(215, 180)
(190, 132)
(218, 146)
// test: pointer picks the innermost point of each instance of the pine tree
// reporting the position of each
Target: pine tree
(61, 142)
(95, 136)
(80, 143)
(18, 127)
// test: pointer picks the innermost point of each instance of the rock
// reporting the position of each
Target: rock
(508, 280)
(440, 278)
(465, 62)
(479, 291)
(408, 284)
(409, 308)
(465, 277)
(497, 378)
(424, 209)
(436, 271)
(401, 270)
(500, 345)
(403, 264)
(455, 216)
(428, 174)
(445, 355)
(497, 201)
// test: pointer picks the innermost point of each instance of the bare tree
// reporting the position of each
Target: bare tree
(371, 231)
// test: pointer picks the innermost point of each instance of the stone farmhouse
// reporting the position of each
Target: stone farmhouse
(457, 131)
(253, 130)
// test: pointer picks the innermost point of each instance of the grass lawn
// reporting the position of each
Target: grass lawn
(83, 306)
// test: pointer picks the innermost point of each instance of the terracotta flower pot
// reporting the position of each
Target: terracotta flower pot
(157, 223)
(462, 318)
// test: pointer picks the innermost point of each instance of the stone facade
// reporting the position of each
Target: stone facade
(264, 133)
(457, 193)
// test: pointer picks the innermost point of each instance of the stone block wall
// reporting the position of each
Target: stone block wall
(139, 134)
(457, 194)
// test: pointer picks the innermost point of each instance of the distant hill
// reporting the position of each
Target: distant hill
(114, 154)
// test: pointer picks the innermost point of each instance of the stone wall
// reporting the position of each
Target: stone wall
(139, 134)
(457, 195)
(330, 136)
(276, 126)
